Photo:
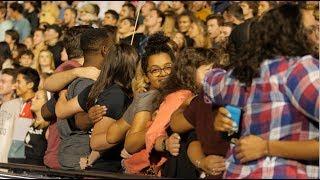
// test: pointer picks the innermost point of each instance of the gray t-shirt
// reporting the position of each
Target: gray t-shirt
(141, 102)
(23, 27)
(74, 143)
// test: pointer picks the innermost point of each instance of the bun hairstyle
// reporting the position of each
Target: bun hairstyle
(157, 43)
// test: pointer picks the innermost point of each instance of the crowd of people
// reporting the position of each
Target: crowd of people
(196, 89)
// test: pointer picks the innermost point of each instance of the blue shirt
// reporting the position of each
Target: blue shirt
(23, 27)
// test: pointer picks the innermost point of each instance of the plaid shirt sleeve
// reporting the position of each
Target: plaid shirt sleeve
(302, 86)
(213, 86)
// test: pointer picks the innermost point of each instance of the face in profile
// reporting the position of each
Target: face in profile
(245, 8)
(263, 7)
(311, 28)
(213, 28)
(125, 27)
(201, 72)
(22, 86)
(179, 39)
(194, 31)
(28, 42)
(38, 101)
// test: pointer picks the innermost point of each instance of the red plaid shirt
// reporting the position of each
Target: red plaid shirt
(282, 104)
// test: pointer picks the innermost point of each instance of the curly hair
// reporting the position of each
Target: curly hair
(279, 32)
(184, 70)
(157, 43)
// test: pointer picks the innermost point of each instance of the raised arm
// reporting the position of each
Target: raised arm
(58, 81)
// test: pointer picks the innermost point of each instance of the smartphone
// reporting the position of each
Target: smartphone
(235, 115)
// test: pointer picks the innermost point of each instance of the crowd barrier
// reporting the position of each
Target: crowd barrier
(36, 172)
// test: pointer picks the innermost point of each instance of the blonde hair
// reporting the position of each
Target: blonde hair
(52, 65)
(203, 31)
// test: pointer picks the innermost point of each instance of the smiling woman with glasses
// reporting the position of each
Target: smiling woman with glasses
(156, 71)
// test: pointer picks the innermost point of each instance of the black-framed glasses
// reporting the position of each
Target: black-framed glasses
(156, 72)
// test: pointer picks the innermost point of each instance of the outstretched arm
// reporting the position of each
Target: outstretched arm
(58, 81)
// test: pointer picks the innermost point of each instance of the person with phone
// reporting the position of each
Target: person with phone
(273, 78)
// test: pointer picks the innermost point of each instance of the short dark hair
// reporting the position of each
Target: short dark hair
(30, 75)
(130, 6)
(219, 19)
(55, 27)
(73, 10)
(114, 14)
(96, 9)
(16, 7)
(10, 72)
(92, 39)
(28, 53)
(186, 13)
(157, 43)
(14, 35)
(71, 41)
(160, 14)
(236, 11)
(131, 21)
(21, 48)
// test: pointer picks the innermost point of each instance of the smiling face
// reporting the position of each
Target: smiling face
(22, 86)
(159, 69)
(184, 24)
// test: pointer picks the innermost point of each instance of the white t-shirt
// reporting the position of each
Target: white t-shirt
(9, 111)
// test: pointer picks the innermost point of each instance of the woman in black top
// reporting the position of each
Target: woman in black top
(35, 140)
(112, 90)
